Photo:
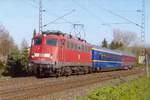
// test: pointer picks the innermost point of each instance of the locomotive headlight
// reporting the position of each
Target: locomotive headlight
(46, 55)
(36, 54)
(51, 56)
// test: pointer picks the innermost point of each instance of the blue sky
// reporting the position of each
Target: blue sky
(20, 17)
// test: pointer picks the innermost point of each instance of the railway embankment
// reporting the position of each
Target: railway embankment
(63, 88)
(137, 89)
(80, 92)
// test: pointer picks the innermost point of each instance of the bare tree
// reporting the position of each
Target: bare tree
(126, 37)
(24, 44)
(6, 42)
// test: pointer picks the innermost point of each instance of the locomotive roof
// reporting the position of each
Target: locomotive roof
(59, 33)
(53, 32)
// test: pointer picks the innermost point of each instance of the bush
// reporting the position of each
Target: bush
(16, 63)
(134, 90)
(2, 65)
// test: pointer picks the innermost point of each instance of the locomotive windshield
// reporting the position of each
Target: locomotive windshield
(51, 42)
(37, 41)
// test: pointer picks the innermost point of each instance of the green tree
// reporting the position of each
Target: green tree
(17, 63)
(112, 45)
(13, 65)
(6, 47)
(104, 43)
(115, 45)
(24, 58)
(120, 44)
(34, 32)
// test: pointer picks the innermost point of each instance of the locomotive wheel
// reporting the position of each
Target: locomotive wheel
(81, 70)
(58, 72)
(86, 70)
(40, 73)
(90, 70)
(68, 71)
(29, 71)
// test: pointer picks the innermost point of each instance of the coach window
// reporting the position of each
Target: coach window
(100, 56)
(51, 42)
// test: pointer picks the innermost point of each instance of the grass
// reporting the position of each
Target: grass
(138, 89)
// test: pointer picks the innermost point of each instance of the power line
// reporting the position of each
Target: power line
(59, 18)
(122, 17)
(128, 11)
(86, 10)
(65, 20)
(116, 23)
(31, 4)
(34, 6)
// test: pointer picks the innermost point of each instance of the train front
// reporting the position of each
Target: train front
(43, 54)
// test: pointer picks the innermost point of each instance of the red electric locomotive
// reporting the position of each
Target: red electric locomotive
(56, 53)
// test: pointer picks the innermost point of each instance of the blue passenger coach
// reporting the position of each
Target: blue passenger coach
(105, 59)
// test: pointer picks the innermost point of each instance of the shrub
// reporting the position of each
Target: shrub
(134, 90)
(2, 64)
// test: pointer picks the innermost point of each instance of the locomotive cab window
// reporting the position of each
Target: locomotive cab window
(37, 41)
(51, 42)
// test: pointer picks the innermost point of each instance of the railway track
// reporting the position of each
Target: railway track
(39, 87)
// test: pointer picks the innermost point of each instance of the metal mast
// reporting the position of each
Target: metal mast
(40, 16)
(144, 53)
(143, 26)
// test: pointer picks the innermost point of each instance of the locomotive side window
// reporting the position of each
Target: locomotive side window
(79, 47)
(67, 44)
(82, 48)
(37, 41)
(86, 49)
(51, 42)
(89, 49)
(72, 45)
(61, 42)
(75, 46)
